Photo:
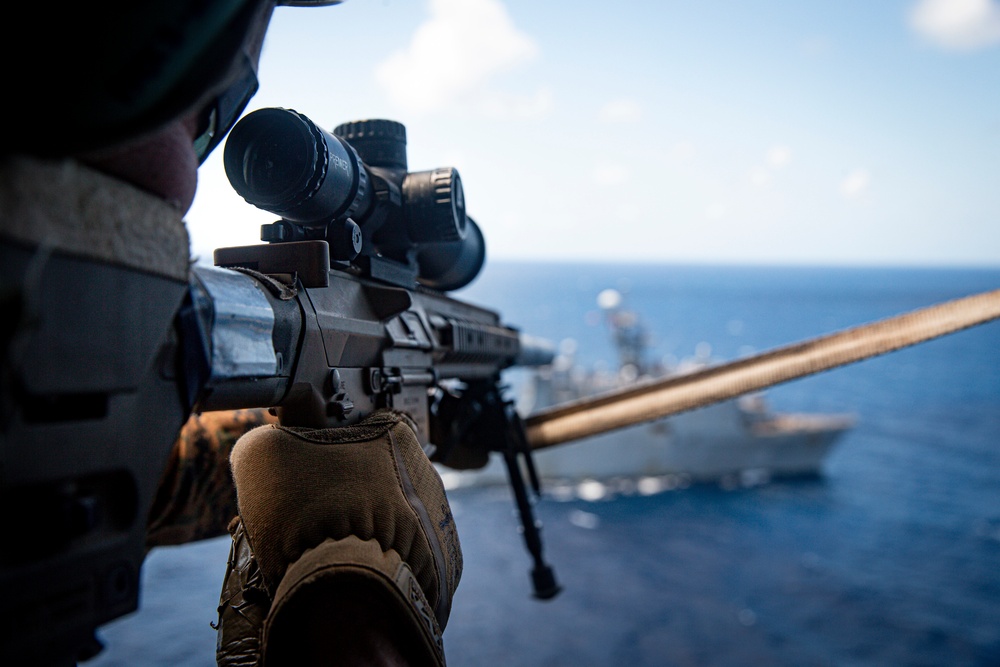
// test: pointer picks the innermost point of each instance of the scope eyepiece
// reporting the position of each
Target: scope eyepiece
(280, 161)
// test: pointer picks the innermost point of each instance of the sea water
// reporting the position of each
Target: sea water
(891, 556)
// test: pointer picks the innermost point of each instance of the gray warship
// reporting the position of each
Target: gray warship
(738, 441)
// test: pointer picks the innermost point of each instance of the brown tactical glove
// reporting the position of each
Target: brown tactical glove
(343, 535)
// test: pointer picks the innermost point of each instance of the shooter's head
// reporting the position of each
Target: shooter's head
(93, 75)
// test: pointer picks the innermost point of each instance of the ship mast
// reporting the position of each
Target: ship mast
(628, 332)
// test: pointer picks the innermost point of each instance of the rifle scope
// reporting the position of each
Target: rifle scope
(352, 189)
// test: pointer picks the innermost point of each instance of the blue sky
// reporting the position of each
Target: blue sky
(849, 132)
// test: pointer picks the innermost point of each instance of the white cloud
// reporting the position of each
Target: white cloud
(628, 213)
(453, 54)
(776, 158)
(715, 211)
(503, 106)
(855, 184)
(759, 176)
(779, 156)
(682, 152)
(610, 174)
(620, 111)
(957, 24)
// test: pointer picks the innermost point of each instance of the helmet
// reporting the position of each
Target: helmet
(92, 75)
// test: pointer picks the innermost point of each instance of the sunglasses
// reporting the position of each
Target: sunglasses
(220, 116)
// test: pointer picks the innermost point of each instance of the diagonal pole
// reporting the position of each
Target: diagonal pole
(668, 396)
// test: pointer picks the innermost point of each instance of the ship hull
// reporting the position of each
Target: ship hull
(708, 444)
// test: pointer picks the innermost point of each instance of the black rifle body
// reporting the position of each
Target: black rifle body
(328, 347)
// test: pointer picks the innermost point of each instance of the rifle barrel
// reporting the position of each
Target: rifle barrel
(668, 396)
(534, 351)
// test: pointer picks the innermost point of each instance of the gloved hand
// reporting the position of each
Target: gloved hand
(343, 536)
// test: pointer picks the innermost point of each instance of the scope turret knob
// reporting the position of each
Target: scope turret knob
(434, 206)
(380, 143)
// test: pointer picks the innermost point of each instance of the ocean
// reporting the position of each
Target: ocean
(891, 556)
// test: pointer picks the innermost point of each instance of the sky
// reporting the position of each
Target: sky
(756, 132)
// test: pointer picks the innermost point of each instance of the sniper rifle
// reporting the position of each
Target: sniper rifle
(341, 312)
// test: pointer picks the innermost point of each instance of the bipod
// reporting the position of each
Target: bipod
(515, 451)
(479, 421)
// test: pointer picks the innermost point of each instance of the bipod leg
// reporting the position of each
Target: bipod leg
(543, 577)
